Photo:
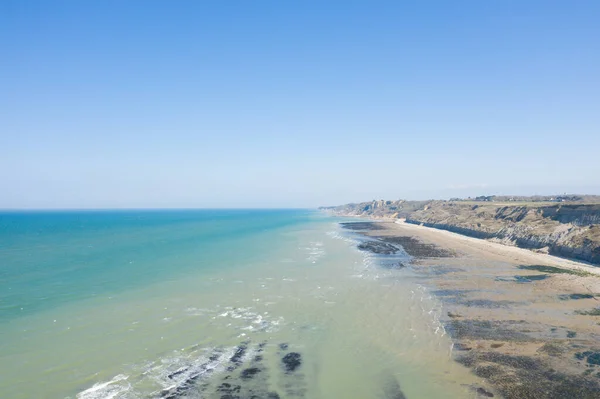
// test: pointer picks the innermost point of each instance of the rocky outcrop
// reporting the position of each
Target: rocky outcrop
(567, 230)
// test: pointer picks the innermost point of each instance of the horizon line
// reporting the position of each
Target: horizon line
(152, 209)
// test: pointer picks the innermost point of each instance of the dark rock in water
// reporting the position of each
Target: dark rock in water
(229, 391)
(378, 247)
(592, 312)
(249, 373)
(486, 329)
(523, 279)
(283, 346)
(482, 392)
(462, 347)
(486, 303)
(292, 382)
(416, 248)
(362, 226)
(518, 377)
(181, 371)
(188, 377)
(566, 297)
(442, 270)
(529, 279)
(551, 269)
(291, 361)
(168, 394)
(239, 353)
(593, 358)
(391, 388)
(393, 266)
(251, 380)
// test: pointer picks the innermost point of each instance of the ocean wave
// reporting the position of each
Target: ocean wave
(369, 262)
(336, 234)
(174, 374)
(169, 376)
(315, 251)
(261, 322)
(118, 386)
(200, 372)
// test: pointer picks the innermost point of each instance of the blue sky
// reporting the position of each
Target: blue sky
(295, 104)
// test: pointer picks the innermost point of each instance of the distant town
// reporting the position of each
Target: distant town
(534, 198)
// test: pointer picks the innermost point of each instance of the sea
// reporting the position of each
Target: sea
(212, 304)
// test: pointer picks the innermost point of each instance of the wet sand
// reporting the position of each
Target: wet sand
(527, 323)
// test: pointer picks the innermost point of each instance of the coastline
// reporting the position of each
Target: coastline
(567, 228)
(526, 322)
(502, 249)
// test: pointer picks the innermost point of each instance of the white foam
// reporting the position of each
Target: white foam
(249, 316)
(107, 390)
(315, 251)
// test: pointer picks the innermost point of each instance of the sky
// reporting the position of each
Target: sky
(203, 104)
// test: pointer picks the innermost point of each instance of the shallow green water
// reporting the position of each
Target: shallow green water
(112, 304)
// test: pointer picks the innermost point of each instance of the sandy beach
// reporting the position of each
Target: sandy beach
(494, 249)
(526, 322)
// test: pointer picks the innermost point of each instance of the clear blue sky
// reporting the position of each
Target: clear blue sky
(295, 103)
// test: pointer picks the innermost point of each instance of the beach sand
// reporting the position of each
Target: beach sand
(526, 322)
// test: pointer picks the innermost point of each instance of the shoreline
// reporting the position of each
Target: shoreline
(525, 322)
(509, 249)
(568, 229)
(567, 263)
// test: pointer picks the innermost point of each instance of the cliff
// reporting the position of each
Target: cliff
(569, 230)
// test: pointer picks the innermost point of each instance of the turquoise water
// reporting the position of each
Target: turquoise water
(149, 304)
(53, 258)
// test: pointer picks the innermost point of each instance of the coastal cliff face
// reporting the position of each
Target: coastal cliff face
(568, 230)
